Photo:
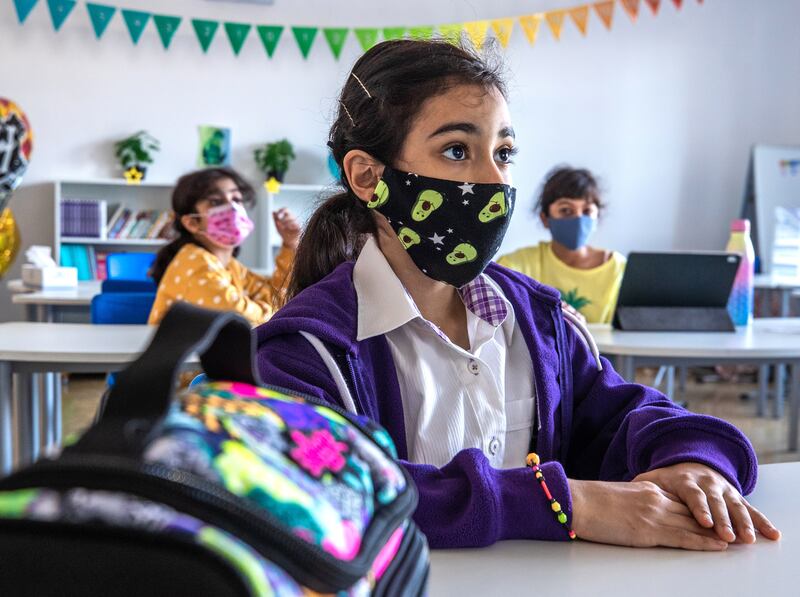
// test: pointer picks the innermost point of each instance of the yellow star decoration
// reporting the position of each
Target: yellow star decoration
(133, 175)
(273, 186)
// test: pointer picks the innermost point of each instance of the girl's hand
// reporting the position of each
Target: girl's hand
(636, 514)
(288, 227)
(567, 307)
(714, 502)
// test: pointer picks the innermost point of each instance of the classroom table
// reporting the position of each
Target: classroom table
(583, 568)
(767, 341)
(47, 305)
(35, 347)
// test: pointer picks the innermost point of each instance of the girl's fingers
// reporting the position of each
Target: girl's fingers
(740, 517)
(762, 523)
(695, 498)
(722, 521)
(691, 540)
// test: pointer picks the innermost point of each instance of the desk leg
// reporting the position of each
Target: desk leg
(794, 406)
(49, 411)
(28, 419)
(57, 419)
(6, 427)
(780, 391)
(763, 390)
(626, 367)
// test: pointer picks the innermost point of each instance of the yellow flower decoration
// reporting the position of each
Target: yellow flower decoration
(273, 186)
(133, 175)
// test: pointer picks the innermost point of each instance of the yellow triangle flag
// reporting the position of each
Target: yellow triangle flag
(632, 8)
(476, 31)
(605, 10)
(530, 25)
(502, 30)
(580, 16)
(555, 20)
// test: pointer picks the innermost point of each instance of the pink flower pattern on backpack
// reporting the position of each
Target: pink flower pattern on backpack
(318, 452)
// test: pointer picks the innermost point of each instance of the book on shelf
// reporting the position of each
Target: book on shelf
(139, 224)
(83, 217)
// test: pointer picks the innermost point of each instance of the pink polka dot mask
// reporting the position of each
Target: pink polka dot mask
(228, 225)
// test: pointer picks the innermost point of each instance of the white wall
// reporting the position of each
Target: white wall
(664, 111)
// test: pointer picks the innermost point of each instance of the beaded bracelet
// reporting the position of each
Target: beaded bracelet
(533, 461)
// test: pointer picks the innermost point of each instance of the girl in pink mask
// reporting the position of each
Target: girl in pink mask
(200, 265)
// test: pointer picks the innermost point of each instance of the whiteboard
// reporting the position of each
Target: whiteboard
(776, 183)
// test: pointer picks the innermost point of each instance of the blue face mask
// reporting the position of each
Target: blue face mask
(573, 233)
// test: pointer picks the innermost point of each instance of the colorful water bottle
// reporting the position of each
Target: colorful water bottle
(740, 304)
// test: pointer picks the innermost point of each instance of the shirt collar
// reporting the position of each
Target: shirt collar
(385, 305)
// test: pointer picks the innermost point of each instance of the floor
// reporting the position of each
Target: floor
(720, 399)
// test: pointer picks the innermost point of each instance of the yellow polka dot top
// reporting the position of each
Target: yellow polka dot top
(197, 276)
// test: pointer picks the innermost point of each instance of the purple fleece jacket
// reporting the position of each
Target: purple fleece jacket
(592, 424)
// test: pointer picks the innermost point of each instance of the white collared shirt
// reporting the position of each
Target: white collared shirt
(452, 398)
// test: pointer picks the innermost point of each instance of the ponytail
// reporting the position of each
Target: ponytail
(334, 234)
(166, 254)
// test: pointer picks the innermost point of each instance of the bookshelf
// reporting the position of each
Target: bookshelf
(257, 252)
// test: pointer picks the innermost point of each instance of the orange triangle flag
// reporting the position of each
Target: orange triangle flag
(605, 10)
(580, 16)
(653, 4)
(530, 25)
(677, 3)
(502, 30)
(555, 20)
(632, 8)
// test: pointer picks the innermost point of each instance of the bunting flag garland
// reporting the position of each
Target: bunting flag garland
(632, 8)
(270, 35)
(136, 21)
(205, 31)
(580, 16)
(59, 11)
(305, 38)
(237, 34)
(166, 27)
(24, 8)
(653, 4)
(394, 32)
(424, 32)
(101, 16)
(530, 25)
(502, 30)
(366, 37)
(605, 11)
(555, 20)
(336, 38)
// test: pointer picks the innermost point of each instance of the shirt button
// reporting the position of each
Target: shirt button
(494, 446)
(474, 367)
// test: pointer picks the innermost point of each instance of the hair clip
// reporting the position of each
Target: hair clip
(346, 111)
(364, 87)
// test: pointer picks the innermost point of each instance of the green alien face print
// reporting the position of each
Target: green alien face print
(451, 230)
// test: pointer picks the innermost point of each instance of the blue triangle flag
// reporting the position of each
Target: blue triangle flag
(24, 8)
(101, 16)
(59, 11)
(136, 21)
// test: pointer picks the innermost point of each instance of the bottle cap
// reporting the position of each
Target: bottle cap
(740, 226)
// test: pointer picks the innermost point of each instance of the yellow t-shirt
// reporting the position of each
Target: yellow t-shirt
(197, 276)
(593, 292)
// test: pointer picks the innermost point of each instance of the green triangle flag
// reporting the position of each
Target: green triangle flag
(237, 33)
(24, 8)
(269, 34)
(205, 31)
(101, 16)
(136, 20)
(451, 33)
(336, 39)
(367, 37)
(420, 32)
(394, 32)
(305, 38)
(166, 27)
(59, 11)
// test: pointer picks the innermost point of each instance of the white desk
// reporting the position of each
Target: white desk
(45, 305)
(767, 341)
(30, 347)
(512, 568)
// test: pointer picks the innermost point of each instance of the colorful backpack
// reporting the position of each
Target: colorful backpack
(232, 488)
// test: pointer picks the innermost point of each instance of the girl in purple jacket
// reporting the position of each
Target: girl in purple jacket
(398, 314)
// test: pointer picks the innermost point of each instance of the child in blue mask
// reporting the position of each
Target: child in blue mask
(397, 313)
(587, 277)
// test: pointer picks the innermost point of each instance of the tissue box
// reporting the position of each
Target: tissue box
(49, 277)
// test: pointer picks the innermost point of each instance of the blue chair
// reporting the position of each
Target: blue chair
(148, 285)
(122, 307)
(129, 266)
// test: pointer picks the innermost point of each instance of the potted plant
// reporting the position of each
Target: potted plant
(273, 159)
(136, 153)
